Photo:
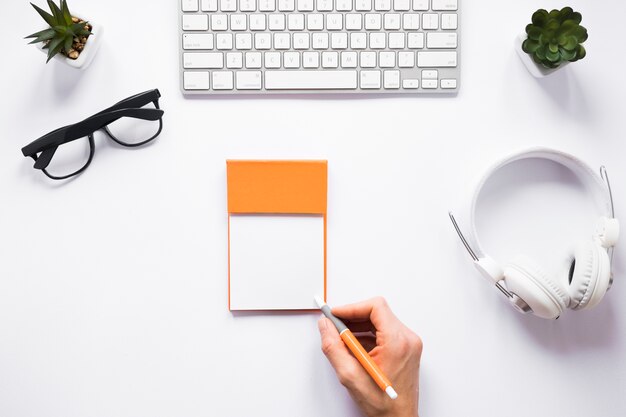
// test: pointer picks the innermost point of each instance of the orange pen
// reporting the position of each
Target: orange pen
(358, 351)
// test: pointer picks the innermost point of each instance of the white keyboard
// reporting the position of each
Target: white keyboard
(343, 46)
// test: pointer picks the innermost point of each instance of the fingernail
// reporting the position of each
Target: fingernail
(322, 324)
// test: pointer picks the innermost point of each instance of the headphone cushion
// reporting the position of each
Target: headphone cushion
(588, 275)
(546, 297)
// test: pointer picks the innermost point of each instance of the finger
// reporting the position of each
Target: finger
(376, 310)
(346, 366)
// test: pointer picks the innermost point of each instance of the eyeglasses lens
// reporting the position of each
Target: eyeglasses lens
(131, 131)
(69, 158)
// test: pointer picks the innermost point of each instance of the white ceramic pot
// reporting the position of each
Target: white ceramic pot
(535, 69)
(88, 53)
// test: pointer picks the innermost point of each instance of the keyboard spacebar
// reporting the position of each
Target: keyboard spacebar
(310, 80)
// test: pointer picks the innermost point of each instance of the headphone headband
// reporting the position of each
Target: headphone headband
(595, 183)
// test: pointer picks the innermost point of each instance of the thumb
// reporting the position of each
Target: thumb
(346, 366)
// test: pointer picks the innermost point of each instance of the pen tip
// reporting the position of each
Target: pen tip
(392, 393)
(320, 303)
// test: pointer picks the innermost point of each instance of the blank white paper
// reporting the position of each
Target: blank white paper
(276, 261)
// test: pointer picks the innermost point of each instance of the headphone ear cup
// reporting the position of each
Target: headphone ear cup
(588, 275)
(527, 280)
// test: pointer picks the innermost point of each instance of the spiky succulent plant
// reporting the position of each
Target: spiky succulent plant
(63, 31)
(555, 37)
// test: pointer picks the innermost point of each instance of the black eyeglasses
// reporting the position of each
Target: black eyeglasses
(68, 151)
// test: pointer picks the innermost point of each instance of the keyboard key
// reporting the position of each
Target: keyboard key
(363, 5)
(228, 6)
(370, 79)
(253, 60)
(324, 5)
(421, 5)
(310, 59)
(343, 5)
(387, 59)
(406, 59)
(368, 59)
(330, 59)
(291, 59)
(315, 21)
(334, 21)
(257, 21)
(415, 40)
(348, 59)
(277, 21)
(437, 59)
(272, 59)
(219, 22)
(373, 21)
(248, 80)
(311, 80)
(396, 40)
(410, 84)
(429, 84)
(305, 5)
(392, 21)
(448, 84)
(262, 41)
(196, 80)
(286, 5)
(320, 41)
(267, 5)
(198, 41)
(243, 41)
(354, 21)
(195, 22)
(222, 80)
(391, 79)
(339, 40)
(282, 41)
(209, 5)
(430, 74)
(247, 5)
(358, 40)
(441, 40)
(449, 21)
(411, 21)
(238, 22)
(382, 5)
(402, 5)
(301, 41)
(430, 21)
(234, 60)
(445, 5)
(210, 60)
(189, 5)
(378, 40)
(224, 41)
(295, 21)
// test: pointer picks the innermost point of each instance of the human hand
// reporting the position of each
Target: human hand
(397, 351)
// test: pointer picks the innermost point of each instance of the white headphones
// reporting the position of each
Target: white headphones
(523, 282)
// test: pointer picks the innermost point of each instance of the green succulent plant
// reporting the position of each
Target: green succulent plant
(555, 37)
(59, 37)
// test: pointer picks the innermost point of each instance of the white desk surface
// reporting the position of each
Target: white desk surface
(113, 287)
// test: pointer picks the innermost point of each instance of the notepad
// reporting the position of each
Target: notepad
(277, 234)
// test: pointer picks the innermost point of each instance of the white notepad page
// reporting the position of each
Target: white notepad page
(276, 261)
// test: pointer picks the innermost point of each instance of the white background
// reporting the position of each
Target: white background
(113, 287)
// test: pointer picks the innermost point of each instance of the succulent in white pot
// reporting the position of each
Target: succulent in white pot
(69, 38)
(552, 40)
